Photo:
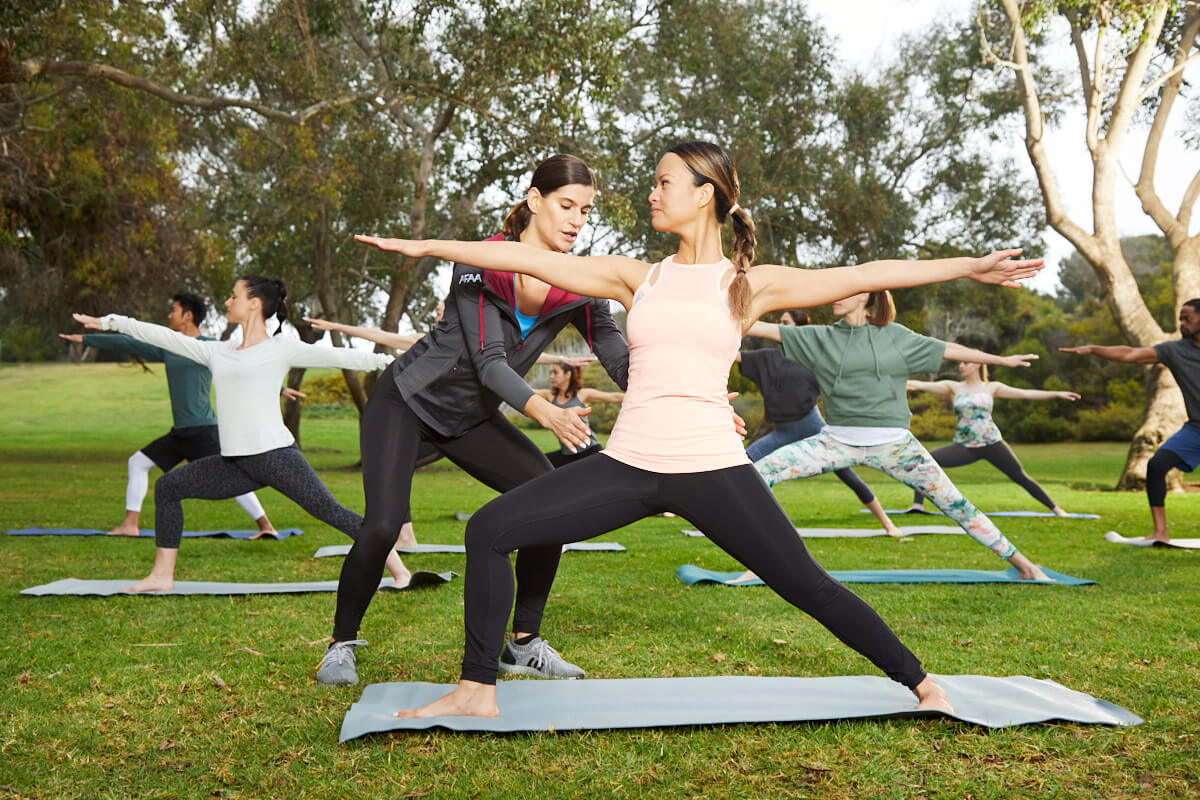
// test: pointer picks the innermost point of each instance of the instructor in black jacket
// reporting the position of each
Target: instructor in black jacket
(447, 390)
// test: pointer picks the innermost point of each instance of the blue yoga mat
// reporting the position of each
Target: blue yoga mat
(901, 511)
(108, 588)
(148, 533)
(660, 702)
(691, 574)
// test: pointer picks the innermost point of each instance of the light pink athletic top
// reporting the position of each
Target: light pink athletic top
(682, 339)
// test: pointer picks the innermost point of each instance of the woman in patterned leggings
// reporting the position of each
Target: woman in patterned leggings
(976, 435)
(862, 364)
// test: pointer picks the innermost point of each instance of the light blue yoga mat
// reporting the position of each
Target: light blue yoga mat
(77, 586)
(148, 533)
(1182, 544)
(661, 702)
(863, 533)
(901, 511)
(691, 574)
(332, 550)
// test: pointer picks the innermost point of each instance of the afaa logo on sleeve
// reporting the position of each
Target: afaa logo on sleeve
(470, 277)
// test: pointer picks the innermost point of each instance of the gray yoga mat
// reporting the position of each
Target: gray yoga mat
(691, 574)
(901, 511)
(575, 547)
(660, 702)
(78, 586)
(148, 533)
(462, 516)
(863, 533)
(1182, 544)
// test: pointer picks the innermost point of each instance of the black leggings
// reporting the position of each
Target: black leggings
(596, 495)
(222, 477)
(558, 458)
(494, 452)
(999, 455)
(1156, 475)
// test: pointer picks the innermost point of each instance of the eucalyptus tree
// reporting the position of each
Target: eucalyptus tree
(1131, 64)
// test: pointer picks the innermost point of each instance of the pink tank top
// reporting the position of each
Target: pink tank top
(682, 339)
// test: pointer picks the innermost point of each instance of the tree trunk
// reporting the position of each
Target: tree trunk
(1164, 415)
(291, 408)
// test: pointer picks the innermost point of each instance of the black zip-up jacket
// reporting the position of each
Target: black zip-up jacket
(456, 376)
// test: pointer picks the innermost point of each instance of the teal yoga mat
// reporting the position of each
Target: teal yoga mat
(864, 533)
(1182, 544)
(592, 704)
(148, 533)
(901, 511)
(691, 574)
(332, 550)
(77, 586)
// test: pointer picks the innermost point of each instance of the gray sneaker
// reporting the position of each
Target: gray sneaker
(537, 659)
(337, 667)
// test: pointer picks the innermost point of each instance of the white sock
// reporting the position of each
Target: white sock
(249, 503)
(139, 480)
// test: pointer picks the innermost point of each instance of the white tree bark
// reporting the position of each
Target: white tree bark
(1104, 135)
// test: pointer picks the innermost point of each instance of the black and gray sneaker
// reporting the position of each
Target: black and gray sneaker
(537, 659)
(338, 665)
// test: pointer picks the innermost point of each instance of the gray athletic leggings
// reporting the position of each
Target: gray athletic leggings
(221, 477)
(999, 455)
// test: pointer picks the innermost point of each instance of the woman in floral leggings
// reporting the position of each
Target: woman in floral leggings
(862, 363)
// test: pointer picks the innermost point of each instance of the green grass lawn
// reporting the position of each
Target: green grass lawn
(214, 697)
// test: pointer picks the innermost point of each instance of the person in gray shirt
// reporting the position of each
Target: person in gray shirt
(1182, 450)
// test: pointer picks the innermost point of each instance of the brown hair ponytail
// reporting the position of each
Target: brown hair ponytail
(881, 309)
(554, 173)
(711, 164)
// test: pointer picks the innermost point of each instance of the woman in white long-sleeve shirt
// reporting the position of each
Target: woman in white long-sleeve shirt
(256, 447)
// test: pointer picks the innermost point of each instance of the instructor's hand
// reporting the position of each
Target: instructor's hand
(568, 425)
(1002, 269)
(1082, 350)
(739, 424)
(72, 337)
(413, 248)
(324, 325)
(89, 322)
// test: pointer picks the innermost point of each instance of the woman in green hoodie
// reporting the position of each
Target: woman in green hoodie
(862, 363)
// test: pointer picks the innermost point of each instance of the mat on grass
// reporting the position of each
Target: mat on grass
(148, 533)
(863, 533)
(691, 574)
(78, 586)
(576, 547)
(1183, 544)
(462, 516)
(899, 511)
(661, 702)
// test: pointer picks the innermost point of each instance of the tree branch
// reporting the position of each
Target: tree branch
(1173, 227)
(1189, 202)
(1056, 214)
(1080, 53)
(1135, 70)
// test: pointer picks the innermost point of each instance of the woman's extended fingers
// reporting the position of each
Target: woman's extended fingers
(88, 322)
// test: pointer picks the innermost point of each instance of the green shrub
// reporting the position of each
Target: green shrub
(1113, 423)
(325, 390)
(1040, 424)
(26, 343)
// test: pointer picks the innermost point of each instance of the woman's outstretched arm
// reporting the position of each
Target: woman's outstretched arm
(396, 341)
(957, 352)
(1006, 392)
(614, 277)
(776, 288)
(933, 387)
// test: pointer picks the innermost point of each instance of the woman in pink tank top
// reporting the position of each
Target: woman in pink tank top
(674, 447)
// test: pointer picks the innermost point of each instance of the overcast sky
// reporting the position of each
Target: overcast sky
(866, 31)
